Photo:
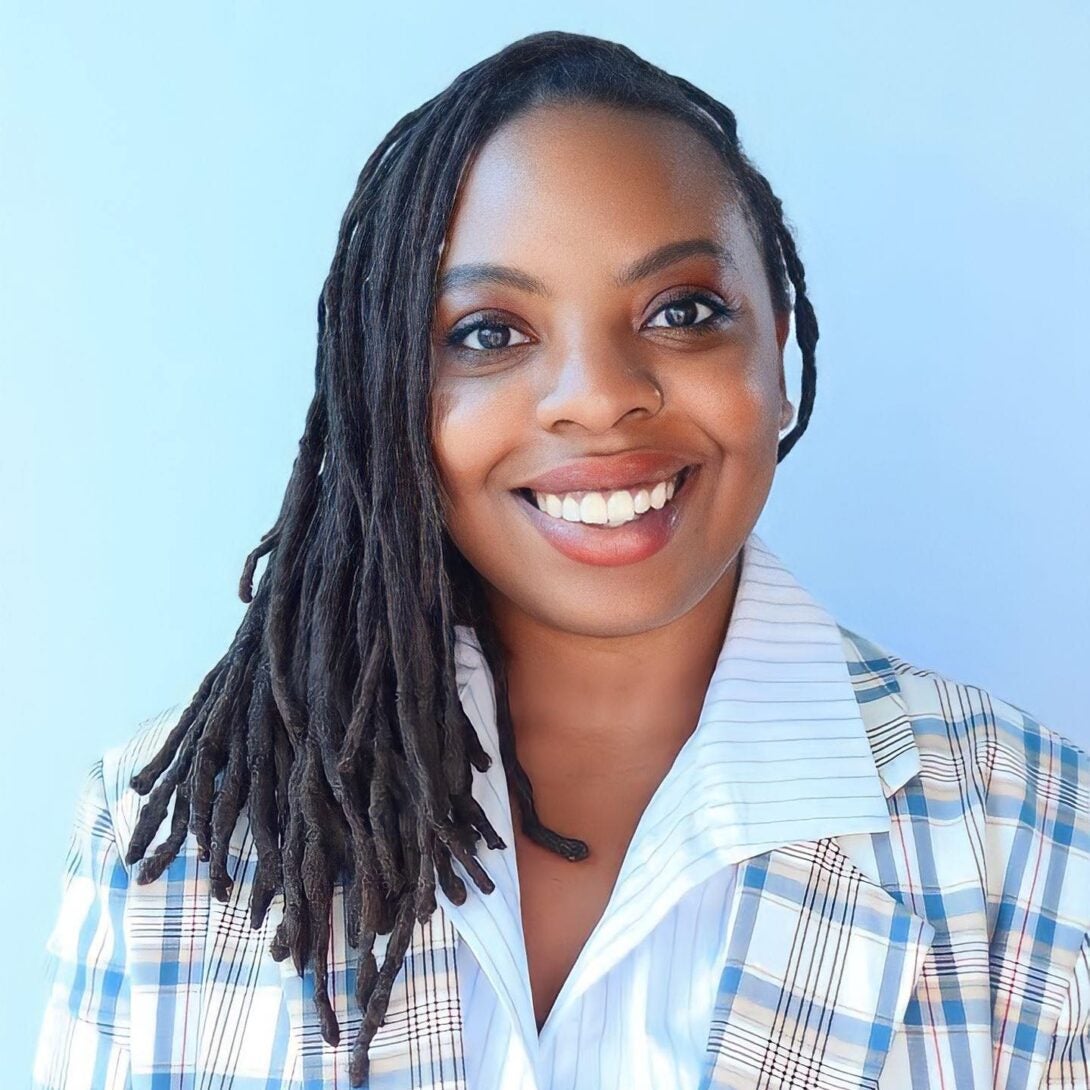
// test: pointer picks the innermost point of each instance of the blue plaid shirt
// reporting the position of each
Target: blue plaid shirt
(949, 949)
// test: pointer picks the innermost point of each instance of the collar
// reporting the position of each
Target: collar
(790, 685)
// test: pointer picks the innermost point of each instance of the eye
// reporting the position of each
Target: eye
(684, 313)
(490, 333)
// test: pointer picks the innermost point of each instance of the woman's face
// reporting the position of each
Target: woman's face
(606, 348)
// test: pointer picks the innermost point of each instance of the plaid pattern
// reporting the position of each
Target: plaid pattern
(950, 952)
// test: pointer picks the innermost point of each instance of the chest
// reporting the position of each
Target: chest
(562, 901)
(221, 1019)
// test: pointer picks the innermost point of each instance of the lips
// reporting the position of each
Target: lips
(614, 544)
(609, 472)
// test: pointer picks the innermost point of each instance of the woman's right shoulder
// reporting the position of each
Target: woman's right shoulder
(119, 763)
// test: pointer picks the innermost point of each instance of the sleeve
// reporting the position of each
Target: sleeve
(83, 1041)
(1068, 1066)
(1038, 863)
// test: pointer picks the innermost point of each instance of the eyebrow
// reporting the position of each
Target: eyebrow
(660, 258)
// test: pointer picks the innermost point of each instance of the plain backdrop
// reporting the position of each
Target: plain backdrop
(172, 183)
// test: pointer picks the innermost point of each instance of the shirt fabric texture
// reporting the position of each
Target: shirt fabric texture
(856, 873)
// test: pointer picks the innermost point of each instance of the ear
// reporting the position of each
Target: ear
(783, 327)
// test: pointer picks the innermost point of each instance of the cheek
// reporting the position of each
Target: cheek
(471, 432)
(737, 405)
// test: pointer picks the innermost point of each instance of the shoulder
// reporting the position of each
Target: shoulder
(119, 763)
(1012, 752)
(990, 841)
(1000, 801)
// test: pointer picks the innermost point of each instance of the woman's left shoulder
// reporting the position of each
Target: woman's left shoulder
(990, 841)
(971, 737)
(997, 795)
(999, 801)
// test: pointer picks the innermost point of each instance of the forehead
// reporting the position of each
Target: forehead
(590, 186)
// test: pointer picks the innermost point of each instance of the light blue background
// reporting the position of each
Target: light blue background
(172, 184)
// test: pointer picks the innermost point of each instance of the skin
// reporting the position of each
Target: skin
(608, 666)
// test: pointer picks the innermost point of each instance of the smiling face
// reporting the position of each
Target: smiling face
(605, 348)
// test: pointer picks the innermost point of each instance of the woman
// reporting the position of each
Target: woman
(515, 571)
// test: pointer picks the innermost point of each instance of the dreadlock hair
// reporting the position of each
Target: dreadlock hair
(334, 715)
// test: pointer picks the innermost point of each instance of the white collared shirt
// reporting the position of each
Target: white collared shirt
(779, 754)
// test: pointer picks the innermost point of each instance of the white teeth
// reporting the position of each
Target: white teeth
(607, 508)
(593, 509)
(619, 507)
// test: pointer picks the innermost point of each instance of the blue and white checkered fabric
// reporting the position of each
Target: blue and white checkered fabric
(949, 950)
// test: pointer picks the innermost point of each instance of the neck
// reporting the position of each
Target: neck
(611, 706)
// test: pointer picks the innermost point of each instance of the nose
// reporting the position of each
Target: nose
(594, 386)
